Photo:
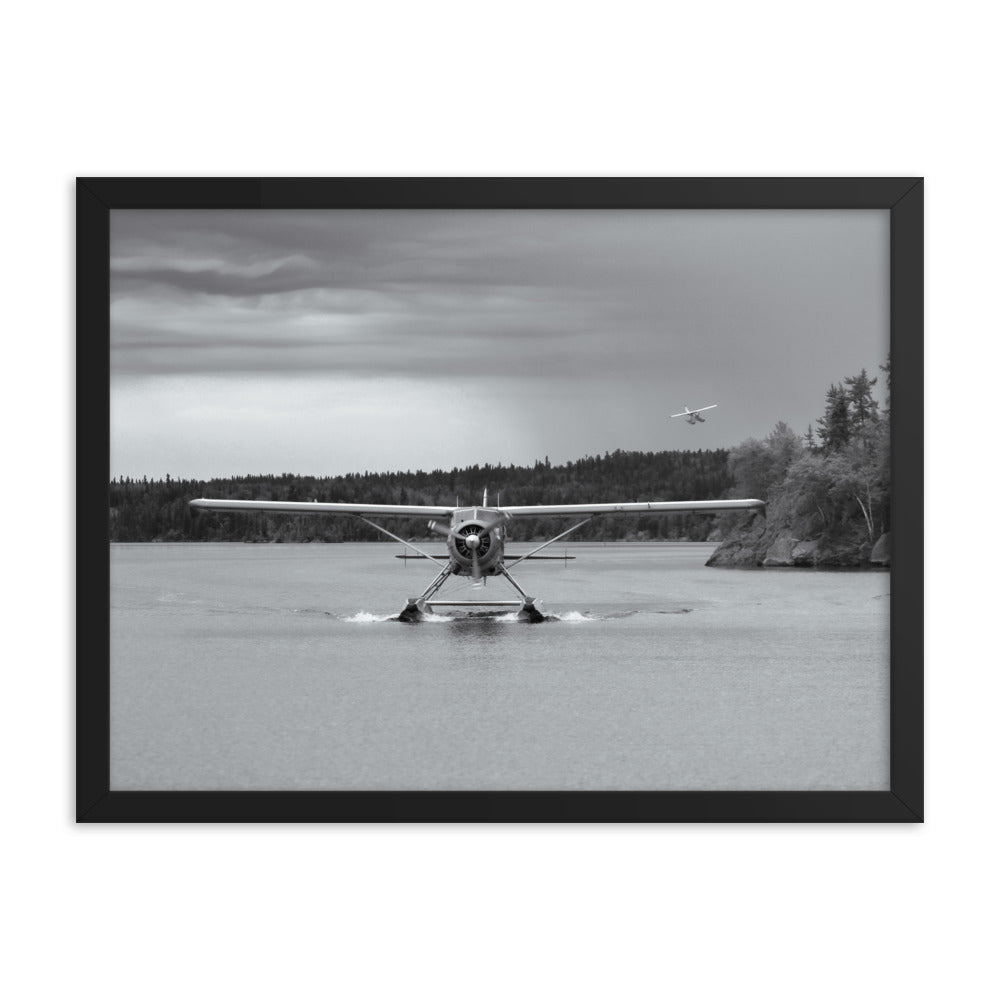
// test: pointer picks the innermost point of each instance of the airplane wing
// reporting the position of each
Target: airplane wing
(545, 510)
(652, 507)
(299, 507)
(687, 413)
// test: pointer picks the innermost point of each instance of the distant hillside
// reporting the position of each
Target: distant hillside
(157, 510)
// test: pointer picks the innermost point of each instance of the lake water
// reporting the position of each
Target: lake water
(279, 667)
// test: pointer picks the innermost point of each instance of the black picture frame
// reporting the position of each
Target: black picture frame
(96, 197)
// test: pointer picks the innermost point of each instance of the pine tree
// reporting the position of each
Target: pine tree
(835, 424)
(863, 406)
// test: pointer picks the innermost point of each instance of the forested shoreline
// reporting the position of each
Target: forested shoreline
(827, 495)
(157, 510)
(827, 492)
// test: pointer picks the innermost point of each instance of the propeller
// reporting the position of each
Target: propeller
(472, 537)
(472, 541)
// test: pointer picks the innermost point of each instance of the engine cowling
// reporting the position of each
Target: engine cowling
(477, 543)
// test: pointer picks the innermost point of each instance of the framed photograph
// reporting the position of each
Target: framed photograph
(660, 438)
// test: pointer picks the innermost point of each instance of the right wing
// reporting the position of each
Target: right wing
(687, 413)
(651, 507)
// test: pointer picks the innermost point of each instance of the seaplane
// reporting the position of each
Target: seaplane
(475, 537)
(694, 416)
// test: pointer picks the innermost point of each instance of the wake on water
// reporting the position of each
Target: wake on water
(367, 618)
(507, 617)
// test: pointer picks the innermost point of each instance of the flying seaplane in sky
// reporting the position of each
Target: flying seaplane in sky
(475, 536)
(694, 416)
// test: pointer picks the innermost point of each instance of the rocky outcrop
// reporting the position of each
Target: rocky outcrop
(742, 545)
(778, 540)
(804, 554)
(781, 551)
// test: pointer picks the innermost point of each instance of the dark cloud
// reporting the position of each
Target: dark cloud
(420, 291)
(606, 312)
(416, 282)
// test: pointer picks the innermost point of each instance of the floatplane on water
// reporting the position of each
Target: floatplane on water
(475, 537)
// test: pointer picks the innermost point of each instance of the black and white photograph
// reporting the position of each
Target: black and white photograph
(282, 279)
(500, 500)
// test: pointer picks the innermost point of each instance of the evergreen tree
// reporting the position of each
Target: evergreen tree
(835, 424)
(863, 406)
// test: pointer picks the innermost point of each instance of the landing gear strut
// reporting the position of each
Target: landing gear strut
(529, 610)
(416, 607)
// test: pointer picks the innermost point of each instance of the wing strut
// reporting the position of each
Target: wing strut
(550, 541)
(396, 538)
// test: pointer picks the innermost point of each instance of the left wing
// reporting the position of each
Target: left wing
(299, 507)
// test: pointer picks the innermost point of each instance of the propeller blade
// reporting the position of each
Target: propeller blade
(501, 518)
(441, 529)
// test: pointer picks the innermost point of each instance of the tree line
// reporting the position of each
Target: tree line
(157, 510)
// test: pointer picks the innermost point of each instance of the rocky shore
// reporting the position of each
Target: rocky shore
(763, 542)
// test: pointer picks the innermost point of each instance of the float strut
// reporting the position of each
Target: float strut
(414, 609)
(529, 610)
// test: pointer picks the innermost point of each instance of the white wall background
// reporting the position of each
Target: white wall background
(250, 88)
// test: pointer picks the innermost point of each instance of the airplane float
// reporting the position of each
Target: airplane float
(694, 416)
(475, 537)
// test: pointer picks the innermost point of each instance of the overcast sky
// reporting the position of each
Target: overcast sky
(339, 341)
